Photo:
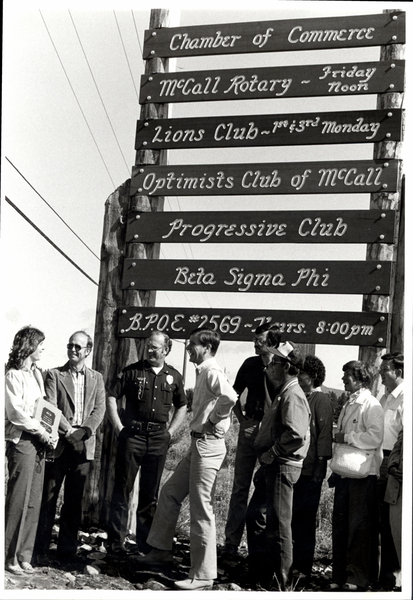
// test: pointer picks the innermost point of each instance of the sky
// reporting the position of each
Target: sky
(71, 76)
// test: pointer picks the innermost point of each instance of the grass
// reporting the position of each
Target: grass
(224, 488)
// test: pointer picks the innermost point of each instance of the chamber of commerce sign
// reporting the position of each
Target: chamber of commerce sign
(361, 329)
(274, 82)
(307, 277)
(353, 226)
(351, 127)
(279, 35)
(337, 177)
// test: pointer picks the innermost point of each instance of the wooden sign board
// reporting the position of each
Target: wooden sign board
(276, 36)
(274, 82)
(263, 227)
(336, 177)
(354, 127)
(305, 277)
(341, 328)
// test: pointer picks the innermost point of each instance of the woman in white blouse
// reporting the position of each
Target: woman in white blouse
(26, 442)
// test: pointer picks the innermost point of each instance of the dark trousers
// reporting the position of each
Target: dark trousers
(304, 523)
(73, 468)
(270, 546)
(146, 451)
(389, 562)
(355, 531)
(24, 491)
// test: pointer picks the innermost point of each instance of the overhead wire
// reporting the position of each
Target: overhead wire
(77, 100)
(98, 91)
(51, 207)
(126, 56)
(21, 213)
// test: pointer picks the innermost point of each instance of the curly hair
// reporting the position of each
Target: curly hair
(360, 371)
(315, 369)
(24, 344)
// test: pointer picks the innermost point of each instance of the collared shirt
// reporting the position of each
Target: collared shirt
(392, 404)
(79, 399)
(214, 397)
(23, 388)
(149, 395)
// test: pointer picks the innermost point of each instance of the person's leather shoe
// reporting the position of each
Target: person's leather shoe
(155, 557)
(193, 584)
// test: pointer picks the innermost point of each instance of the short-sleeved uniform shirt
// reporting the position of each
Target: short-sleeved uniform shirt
(149, 395)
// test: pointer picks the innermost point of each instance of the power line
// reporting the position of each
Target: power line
(99, 94)
(137, 34)
(77, 100)
(126, 56)
(51, 207)
(49, 240)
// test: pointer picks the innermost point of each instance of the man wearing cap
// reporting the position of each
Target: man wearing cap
(252, 376)
(281, 445)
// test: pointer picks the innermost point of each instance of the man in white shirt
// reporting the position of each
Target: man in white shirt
(391, 371)
(196, 474)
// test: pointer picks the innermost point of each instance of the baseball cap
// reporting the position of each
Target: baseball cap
(288, 351)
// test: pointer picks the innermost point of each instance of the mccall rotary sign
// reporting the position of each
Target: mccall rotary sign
(274, 82)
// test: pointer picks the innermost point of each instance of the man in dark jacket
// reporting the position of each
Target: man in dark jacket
(282, 444)
(79, 392)
(252, 376)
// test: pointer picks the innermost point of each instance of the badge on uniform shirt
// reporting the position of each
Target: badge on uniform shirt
(140, 383)
(169, 379)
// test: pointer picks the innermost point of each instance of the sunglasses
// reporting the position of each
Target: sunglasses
(75, 347)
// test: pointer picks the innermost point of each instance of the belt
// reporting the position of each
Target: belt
(146, 426)
(197, 435)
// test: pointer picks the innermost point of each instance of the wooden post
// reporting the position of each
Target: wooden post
(387, 252)
(113, 353)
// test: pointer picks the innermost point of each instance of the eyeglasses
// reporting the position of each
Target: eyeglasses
(75, 347)
(277, 362)
(153, 349)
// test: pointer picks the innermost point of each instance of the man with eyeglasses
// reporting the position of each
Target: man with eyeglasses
(281, 444)
(79, 392)
(251, 377)
(155, 406)
(391, 372)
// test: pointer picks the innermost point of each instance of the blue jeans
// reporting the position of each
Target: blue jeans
(269, 516)
(245, 461)
(195, 475)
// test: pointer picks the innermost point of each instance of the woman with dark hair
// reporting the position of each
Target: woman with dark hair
(26, 440)
(355, 513)
(307, 490)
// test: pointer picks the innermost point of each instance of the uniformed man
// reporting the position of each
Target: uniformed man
(151, 389)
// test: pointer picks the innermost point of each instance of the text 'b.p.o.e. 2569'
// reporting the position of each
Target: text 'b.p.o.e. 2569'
(308, 327)
(338, 177)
